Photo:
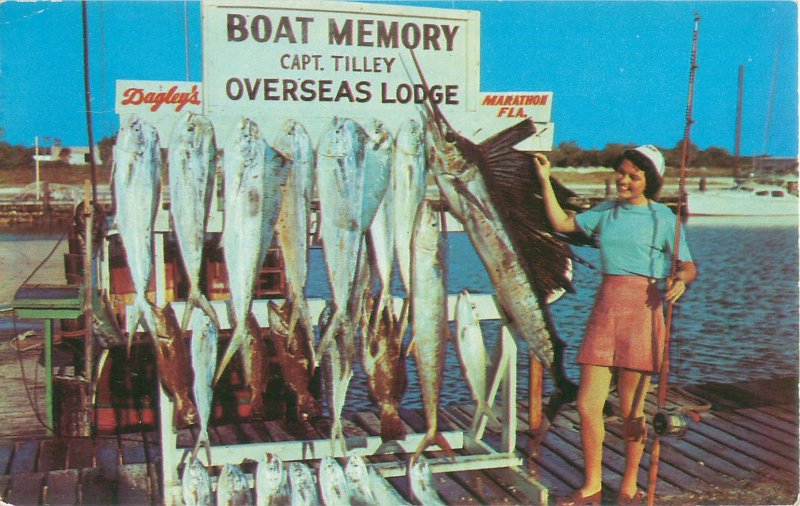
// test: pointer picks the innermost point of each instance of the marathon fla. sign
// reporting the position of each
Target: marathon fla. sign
(322, 59)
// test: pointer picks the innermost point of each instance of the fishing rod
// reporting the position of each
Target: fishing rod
(661, 422)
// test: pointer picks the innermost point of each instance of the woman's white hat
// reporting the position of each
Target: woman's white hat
(654, 155)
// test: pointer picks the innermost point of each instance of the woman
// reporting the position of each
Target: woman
(625, 332)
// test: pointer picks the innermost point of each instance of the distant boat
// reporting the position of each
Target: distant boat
(747, 197)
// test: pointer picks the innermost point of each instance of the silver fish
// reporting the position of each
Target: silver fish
(272, 482)
(337, 372)
(409, 171)
(137, 189)
(232, 487)
(332, 483)
(420, 479)
(429, 329)
(357, 475)
(472, 352)
(384, 493)
(378, 154)
(253, 173)
(192, 166)
(205, 337)
(295, 145)
(301, 483)
(340, 167)
(196, 485)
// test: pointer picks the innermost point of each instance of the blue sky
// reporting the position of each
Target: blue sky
(618, 70)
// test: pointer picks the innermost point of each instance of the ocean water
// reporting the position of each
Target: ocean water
(738, 321)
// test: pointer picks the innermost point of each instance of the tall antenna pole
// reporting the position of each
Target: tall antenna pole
(737, 144)
(769, 106)
(88, 95)
(664, 371)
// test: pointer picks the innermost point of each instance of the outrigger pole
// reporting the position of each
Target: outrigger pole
(664, 371)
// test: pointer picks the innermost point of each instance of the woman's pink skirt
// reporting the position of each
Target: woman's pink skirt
(626, 328)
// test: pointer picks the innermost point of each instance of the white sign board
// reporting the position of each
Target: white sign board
(500, 110)
(159, 103)
(313, 60)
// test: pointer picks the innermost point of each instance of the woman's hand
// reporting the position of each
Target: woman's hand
(542, 166)
(675, 288)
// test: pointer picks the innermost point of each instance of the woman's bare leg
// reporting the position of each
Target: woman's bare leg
(592, 395)
(632, 386)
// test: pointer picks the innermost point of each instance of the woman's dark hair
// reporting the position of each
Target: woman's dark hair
(653, 180)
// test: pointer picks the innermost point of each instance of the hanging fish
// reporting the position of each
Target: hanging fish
(136, 180)
(492, 190)
(337, 372)
(420, 479)
(301, 483)
(294, 144)
(173, 362)
(384, 364)
(196, 485)
(272, 482)
(255, 364)
(205, 337)
(232, 487)
(472, 352)
(192, 166)
(409, 171)
(253, 173)
(293, 356)
(378, 154)
(340, 168)
(332, 483)
(429, 331)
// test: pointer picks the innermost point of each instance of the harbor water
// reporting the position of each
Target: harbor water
(737, 322)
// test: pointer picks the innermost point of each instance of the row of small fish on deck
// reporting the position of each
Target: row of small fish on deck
(295, 484)
(371, 189)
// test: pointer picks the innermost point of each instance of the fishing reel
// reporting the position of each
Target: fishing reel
(670, 423)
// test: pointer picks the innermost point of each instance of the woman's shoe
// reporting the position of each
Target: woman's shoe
(576, 499)
(638, 498)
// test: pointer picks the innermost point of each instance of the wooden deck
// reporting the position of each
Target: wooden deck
(743, 451)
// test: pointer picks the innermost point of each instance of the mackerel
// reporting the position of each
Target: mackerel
(232, 487)
(420, 479)
(253, 174)
(192, 166)
(384, 493)
(332, 483)
(301, 483)
(357, 475)
(196, 485)
(205, 338)
(472, 352)
(272, 482)
(409, 171)
(137, 189)
(429, 329)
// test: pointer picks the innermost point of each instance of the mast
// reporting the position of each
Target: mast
(88, 97)
(738, 141)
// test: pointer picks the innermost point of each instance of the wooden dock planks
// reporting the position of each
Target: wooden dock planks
(742, 440)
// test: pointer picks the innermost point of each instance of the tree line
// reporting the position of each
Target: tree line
(565, 154)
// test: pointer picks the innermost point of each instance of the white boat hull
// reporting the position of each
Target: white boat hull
(741, 203)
